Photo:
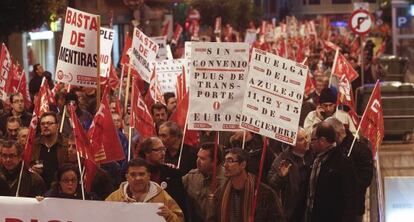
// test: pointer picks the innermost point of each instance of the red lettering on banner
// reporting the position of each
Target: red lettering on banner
(81, 20)
(77, 39)
(143, 51)
(146, 41)
(31, 220)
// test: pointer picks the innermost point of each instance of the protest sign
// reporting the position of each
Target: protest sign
(273, 96)
(250, 36)
(167, 71)
(144, 52)
(77, 58)
(162, 47)
(18, 209)
(107, 40)
(217, 83)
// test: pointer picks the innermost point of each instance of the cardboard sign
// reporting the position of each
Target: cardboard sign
(217, 83)
(18, 209)
(77, 59)
(107, 40)
(167, 71)
(162, 47)
(144, 52)
(273, 99)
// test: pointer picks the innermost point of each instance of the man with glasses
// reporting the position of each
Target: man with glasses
(199, 183)
(140, 188)
(50, 148)
(18, 110)
(31, 184)
(325, 109)
(234, 201)
(153, 151)
(332, 184)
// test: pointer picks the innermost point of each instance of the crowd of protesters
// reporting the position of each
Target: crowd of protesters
(311, 181)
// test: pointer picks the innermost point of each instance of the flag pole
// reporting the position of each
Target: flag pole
(214, 179)
(244, 139)
(380, 194)
(81, 175)
(121, 82)
(333, 67)
(130, 127)
(20, 179)
(362, 59)
(62, 121)
(127, 86)
(182, 142)
(259, 178)
(98, 64)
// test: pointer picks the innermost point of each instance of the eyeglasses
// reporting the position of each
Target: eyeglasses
(67, 181)
(158, 150)
(8, 156)
(230, 161)
(46, 123)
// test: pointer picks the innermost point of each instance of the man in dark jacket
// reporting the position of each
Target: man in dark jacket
(31, 184)
(361, 157)
(153, 151)
(332, 183)
(234, 200)
(289, 176)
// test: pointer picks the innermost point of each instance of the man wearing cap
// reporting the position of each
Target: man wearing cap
(327, 108)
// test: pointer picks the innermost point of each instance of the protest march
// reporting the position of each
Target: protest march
(249, 127)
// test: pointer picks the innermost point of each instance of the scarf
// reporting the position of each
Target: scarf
(247, 201)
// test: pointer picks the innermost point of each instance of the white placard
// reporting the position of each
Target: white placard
(399, 199)
(273, 98)
(107, 40)
(251, 35)
(162, 47)
(167, 71)
(77, 58)
(17, 209)
(217, 83)
(144, 52)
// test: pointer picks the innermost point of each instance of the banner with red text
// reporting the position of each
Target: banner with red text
(217, 83)
(18, 209)
(77, 58)
(107, 40)
(5, 68)
(273, 96)
(144, 52)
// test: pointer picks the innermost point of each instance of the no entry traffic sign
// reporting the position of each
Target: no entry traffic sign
(360, 21)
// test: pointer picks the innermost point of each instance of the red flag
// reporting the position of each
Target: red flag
(154, 93)
(83, 147)
(180, 117)
(41, 105)
(346, 97)
(141, 117)
(23, 89)
(177, 34)
(165, 28)
(342, 67)
(113, 79)
(5, 68)
(309, 86)
(372, 122)
(106, 146)
(181, 88)
(127, 46)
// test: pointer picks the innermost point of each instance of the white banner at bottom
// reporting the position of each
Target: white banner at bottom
(16, 209)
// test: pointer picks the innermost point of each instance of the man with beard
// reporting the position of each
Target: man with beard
(50, 148)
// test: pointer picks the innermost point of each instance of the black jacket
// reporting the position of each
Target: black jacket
(361, 157)
(335, 194)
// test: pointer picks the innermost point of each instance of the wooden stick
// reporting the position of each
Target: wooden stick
(98, 65)
(81, 175)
